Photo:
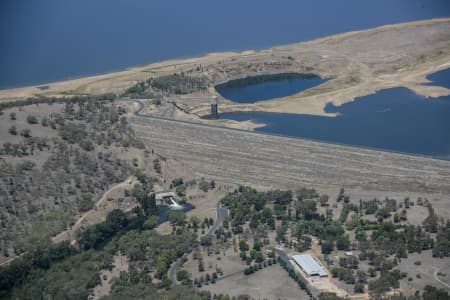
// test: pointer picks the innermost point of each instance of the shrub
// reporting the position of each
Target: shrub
(12, 130)
(32, 120)
(25, 133)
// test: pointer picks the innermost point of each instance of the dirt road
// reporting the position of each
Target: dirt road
(96, 214)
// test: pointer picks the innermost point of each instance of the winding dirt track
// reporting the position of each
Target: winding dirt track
(69, 234)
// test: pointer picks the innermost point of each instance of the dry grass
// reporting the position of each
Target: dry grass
(270, 283)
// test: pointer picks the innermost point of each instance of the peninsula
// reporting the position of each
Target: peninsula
(357, 64)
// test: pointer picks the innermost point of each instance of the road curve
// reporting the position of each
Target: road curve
(221, 214)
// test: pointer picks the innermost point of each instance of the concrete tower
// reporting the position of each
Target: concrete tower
(214, 113)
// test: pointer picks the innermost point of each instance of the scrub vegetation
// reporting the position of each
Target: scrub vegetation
(70, 155)
(177, 83)
(75, 150)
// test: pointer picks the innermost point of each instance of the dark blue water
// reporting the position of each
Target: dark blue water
(441, 78)
(269, 90)
(394, 119)
(164, 211)
(48, 40)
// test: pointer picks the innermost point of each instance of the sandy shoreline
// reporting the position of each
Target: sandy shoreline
(359, 63)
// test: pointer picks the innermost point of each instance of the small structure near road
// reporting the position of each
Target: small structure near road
(309, 265)
(168, 199)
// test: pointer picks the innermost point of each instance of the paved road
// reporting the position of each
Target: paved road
(221, 214)
(282, 255)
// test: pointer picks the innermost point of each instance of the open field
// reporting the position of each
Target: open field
(270, 283)
(424, 273)
(273, 161)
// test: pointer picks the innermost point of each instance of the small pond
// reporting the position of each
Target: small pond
(266, 87)
(164, 210)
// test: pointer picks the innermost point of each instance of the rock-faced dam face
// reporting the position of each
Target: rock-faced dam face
(245, 157)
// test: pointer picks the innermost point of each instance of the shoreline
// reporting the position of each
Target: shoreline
(360, 63)
(140, 113)
(204, 54)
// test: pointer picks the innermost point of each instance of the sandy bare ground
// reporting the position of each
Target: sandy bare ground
(260, 285)
(99, 212)
(428, 270)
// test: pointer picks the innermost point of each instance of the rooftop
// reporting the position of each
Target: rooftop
(309, 265)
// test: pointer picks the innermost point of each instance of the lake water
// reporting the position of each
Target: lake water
(441, 78)
(251, 93)
(395, 119)
(50, 40)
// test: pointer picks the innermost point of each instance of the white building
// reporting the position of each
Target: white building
(309, 265)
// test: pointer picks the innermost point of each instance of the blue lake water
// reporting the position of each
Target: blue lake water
(441, 78)
(268, 90)
(394, 119)
(48, 40)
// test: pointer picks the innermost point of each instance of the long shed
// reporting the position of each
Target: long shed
(309, 265)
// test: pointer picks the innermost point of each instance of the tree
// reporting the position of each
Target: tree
(204, 185)
(243, 246)
(431, 222)
(259, 258)
(323, 200)
(12, 130)
(254, 222)
(32, 120)
(195, 221)
(306, 209)
(151, 222)
(432, 293)
(157, 166)
(176, 217)
(25, 133)
(201, 266)
(384, 213)
(44, 121)
(149, 204)
(359, 288)
(343, 243)
(182, 276)
(329, 296)
(12, 116)
(116, 219)
(87, 145)
(327, 246)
